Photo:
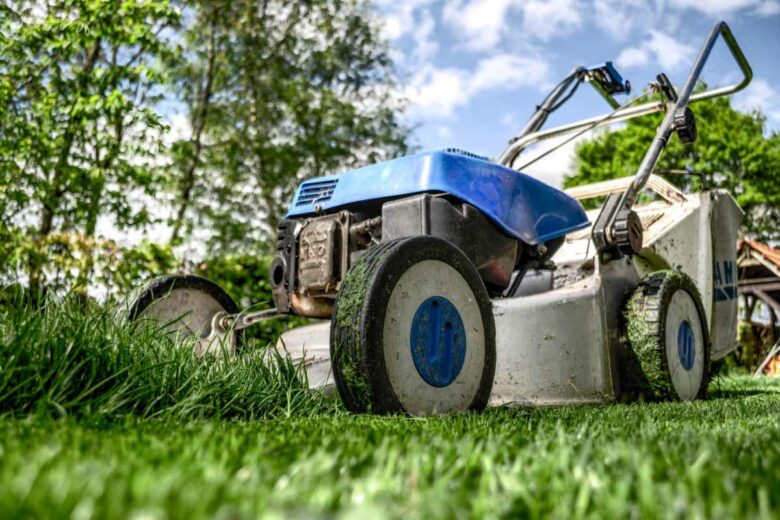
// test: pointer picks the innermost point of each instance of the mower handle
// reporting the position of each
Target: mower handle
(618, 227)
(675, 108)
(516, 147)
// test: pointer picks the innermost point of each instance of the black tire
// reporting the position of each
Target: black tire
(666, 301)
(162, 287)
(358, 347)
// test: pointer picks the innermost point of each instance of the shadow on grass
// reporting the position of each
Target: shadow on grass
(743, 387)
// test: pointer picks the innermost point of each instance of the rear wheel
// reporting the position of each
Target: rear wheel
(186, 306)
(412, 331)
(669, 338)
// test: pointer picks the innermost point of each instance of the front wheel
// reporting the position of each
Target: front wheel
(669, 339)
(412, 331)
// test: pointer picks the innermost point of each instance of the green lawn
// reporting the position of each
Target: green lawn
(719, 458)
(101, 419)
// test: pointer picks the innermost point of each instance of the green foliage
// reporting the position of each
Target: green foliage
(77, 85)
(732, 152)
(710, 459)
(78, 359)
(137, 265)
(75, 262)
(276, 93)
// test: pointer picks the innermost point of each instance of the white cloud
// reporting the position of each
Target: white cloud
(425, 46)
(444, 132)
(669, 53)
(481, 23)
(714, 8)
(622, 18)
(508, 71)
(409, 18)
(436, 93)
(768, 8)
(547, 18)
(554, 167)
(633, 57)
(721, 8)
(397, 18)
(759, 95)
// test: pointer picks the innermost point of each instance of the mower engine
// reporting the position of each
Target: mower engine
(314, 254)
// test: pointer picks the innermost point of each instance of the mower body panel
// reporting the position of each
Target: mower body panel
(525, 208)
(550, 362)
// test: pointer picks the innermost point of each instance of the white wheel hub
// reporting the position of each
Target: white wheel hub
(191, 313)
(433, 306)
(684, 345)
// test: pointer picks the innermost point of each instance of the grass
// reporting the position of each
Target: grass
(195, 455)
(68, 360)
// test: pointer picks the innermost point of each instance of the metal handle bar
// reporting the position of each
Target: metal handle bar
(681, 103)
(516, 148)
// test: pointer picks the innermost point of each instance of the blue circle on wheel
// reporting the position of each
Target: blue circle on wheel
(438, 341)
(686, 345)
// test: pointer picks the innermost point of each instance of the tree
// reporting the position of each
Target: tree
(276, 92)
(731, 152)
(77, 87)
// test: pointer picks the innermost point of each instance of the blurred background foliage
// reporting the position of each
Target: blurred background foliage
(186, 122)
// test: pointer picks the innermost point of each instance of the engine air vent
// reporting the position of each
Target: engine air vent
(458, 151)
(316, 191)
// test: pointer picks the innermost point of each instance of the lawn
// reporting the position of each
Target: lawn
(192, 453)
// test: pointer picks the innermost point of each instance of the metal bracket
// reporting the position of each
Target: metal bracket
(245, 319)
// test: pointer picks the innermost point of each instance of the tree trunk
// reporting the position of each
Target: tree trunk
(200, 114)
(55, 190)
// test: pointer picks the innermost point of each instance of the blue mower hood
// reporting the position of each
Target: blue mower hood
(524, 207)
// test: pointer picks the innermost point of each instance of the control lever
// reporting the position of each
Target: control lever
(666, 87)
(684, 123)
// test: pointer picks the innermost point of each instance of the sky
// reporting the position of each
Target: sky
(472, 71)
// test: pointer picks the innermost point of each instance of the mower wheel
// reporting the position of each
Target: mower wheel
(412, 331)
(185, 306)
(668, 339)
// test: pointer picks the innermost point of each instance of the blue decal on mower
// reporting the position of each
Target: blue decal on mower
(686, 345)
(438, 341)
(724, 281)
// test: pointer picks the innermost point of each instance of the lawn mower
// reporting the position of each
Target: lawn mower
(449, 281)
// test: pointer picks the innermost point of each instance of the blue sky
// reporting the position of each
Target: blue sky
(473, 70)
